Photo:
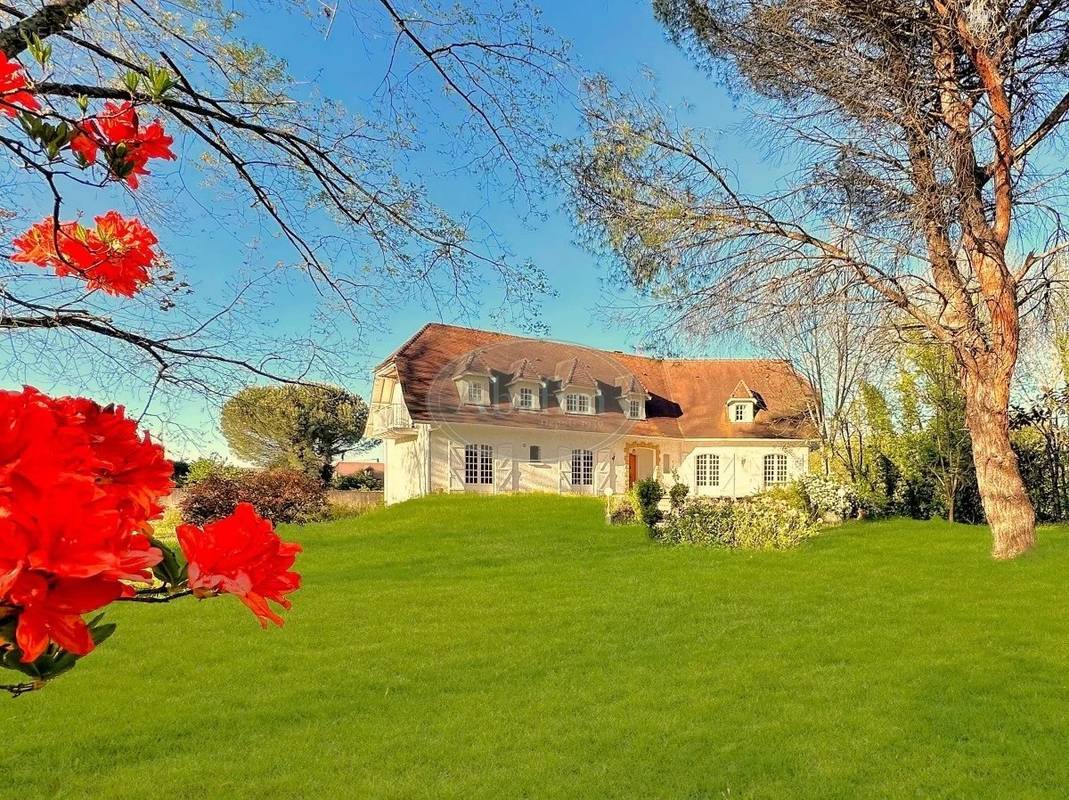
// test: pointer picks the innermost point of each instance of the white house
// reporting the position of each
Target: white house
(464, 410)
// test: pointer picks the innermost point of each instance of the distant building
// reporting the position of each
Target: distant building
(344, 468)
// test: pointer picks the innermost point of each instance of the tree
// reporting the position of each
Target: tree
(320, 193)
(1041, 438)
(936, 437)
(836, 343)
(301, 427)
(918, 129)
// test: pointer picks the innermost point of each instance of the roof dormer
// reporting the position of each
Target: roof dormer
(742, 404)
(473, 379)
(525, 385)
(633, 396)
(578, 390)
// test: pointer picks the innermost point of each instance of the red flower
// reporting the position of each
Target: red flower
(52, 612)
(241, 555)
(129, 146)
(13, 88)
(114, 257)
(77, 488)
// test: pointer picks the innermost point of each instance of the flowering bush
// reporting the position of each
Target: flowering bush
(621, 509)
(756, 524)
(279, 495)
(78, 489)
(827, 496)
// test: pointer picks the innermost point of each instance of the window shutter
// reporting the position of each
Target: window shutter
(564, 456)
(456, 467)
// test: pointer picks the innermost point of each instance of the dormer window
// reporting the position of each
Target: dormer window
(525, 399)
(742, 404)
(634, 409)
(475, 393)
(577, 403)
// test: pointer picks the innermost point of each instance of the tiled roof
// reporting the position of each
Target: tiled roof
(573, 372)
(629, 384)
(741, 392)
(471, 364)
(343, 468)
(687, 397)
(523, 369)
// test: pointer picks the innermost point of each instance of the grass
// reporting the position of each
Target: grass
(516, 647)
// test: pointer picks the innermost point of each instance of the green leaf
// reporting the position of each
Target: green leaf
(130, 80)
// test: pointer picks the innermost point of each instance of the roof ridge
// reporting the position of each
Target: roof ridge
(549, 340)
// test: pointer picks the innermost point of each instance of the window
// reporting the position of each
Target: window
(478, 463)
(775, 469)
(577, 403)
(707, 469)
(526, 397)
(475, 392)
(634, 409)
(582, 467)
(740, 412)
(667, 460)
(536, 453)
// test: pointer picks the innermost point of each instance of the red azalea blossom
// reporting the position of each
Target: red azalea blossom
(14, 87)
(53, 612)
(77, 489)
(241, 555)
(113, 257)
(129, 146)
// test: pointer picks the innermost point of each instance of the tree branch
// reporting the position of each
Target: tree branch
(51, 19)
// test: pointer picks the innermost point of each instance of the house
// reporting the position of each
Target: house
(465, 410)
(344, 469)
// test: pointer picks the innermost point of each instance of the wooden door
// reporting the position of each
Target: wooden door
(632, 468)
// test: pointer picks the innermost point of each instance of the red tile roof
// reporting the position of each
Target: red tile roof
(688, 397)
(343, 468)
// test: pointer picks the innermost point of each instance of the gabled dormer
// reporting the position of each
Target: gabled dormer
(473, 380)
(579, 391)
(525, 386)
(633, 396)
(742, 404)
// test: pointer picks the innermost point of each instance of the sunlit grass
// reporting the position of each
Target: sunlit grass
(517, 647)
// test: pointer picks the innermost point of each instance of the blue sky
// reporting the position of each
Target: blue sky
(619, 38)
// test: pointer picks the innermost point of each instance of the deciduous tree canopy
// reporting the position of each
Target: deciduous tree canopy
(302, 427)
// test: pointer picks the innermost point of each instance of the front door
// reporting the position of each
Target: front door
(632, 469)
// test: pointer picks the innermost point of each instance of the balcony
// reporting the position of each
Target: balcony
(389, 421)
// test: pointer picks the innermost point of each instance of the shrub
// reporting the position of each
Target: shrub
(280, 495)
(828, 496)
(621, 509)
(871, 502)
(648, 493)
(677, 495)
(208, 467)
(757, 524)
(789, 495)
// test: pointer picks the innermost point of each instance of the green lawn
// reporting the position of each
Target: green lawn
(517, 647)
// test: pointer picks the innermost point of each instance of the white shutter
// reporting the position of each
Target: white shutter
(565, 458)
(456, 467)
(504, 469)
(603, 481)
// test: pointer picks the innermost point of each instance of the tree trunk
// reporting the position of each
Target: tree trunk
(1006, 503)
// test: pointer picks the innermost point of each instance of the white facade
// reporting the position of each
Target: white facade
(431, 458)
